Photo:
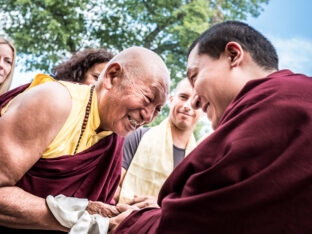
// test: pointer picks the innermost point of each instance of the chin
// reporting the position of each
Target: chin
(182, 126)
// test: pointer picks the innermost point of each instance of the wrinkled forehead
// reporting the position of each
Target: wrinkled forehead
(159, 88)
(158, 78)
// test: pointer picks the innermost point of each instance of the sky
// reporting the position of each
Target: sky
(286, 23)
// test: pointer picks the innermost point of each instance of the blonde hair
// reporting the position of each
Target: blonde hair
(4, 87)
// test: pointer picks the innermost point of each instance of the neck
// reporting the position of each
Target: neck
(101, 103)
(180, 137)
(254, 71)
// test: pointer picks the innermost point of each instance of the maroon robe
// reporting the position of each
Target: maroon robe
(93, 173)
(253, 175)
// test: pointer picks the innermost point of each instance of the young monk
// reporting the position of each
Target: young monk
(253, 174)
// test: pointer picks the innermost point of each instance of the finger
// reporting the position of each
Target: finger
(141, 205)
(125, 207)
(122, 207)
(137, 199)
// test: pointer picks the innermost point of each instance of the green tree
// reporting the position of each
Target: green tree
(48, 31)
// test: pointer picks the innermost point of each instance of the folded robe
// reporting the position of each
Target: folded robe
(93, 174)
(253, 175)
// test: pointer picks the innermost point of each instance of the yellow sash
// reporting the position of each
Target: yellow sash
(67, 138)
(152, 163)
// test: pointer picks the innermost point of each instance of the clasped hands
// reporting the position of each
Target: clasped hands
(119, 212)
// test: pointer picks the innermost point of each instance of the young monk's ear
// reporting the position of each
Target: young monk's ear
(234, 52)
(111, 74)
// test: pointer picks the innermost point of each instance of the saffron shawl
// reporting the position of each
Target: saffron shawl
(93, 174)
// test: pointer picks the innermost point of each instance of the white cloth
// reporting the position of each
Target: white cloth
(152, 163)
(71, 213)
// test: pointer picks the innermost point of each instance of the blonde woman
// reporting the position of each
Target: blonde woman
(7, 62)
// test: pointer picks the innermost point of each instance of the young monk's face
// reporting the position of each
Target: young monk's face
(213, 84)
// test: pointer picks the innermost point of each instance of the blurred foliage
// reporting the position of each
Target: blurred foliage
(49, 31)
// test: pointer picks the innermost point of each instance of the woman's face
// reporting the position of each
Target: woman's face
(6, 61)
(93, 73)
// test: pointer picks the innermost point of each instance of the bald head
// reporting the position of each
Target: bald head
(141, 77)
(138, 63)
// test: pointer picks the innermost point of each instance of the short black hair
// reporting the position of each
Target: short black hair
(214, 40)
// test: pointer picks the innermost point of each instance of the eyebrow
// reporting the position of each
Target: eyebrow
(184, 94)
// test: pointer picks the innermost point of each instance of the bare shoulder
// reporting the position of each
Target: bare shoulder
(31, 122)
(46, 96)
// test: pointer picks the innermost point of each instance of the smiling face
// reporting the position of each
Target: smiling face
(6, 61)
(133, 105)
(131, 90)
(93, 73)
(182, 115)
(213, 84)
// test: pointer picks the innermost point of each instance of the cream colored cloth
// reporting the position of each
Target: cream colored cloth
(71, 213)
(152, 163)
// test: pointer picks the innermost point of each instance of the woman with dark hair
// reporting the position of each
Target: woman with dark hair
(83, 67)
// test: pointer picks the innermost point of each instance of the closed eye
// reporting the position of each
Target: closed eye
(192, 80)
(149, 99)
(184, 97)
(9, 62)
(96, 77)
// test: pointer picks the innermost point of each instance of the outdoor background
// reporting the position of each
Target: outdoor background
(47, 32)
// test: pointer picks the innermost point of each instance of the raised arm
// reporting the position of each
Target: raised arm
(31, 122)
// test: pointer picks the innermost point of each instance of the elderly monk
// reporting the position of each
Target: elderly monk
(151, 154)
(62, 138)
(254, 173)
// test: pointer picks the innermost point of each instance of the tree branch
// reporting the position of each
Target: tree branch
(150, 37)
(166, 46)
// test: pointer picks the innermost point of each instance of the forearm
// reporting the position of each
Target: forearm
(20, 209)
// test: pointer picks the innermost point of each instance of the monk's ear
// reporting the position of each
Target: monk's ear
(112, 73)
(235, 53)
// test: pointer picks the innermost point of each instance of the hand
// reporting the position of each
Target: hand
(106, 210)
(142, 202)
(124, 210)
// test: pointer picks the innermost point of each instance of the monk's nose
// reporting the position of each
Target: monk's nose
(148, 114)
(195, 103)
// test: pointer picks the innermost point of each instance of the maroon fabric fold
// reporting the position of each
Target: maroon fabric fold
(93, 173)
(8, 96)
(253, 175)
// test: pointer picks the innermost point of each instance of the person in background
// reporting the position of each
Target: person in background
(83, 67)
(59, 137)
(151, 154)
(7, 63)
(253, 173)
